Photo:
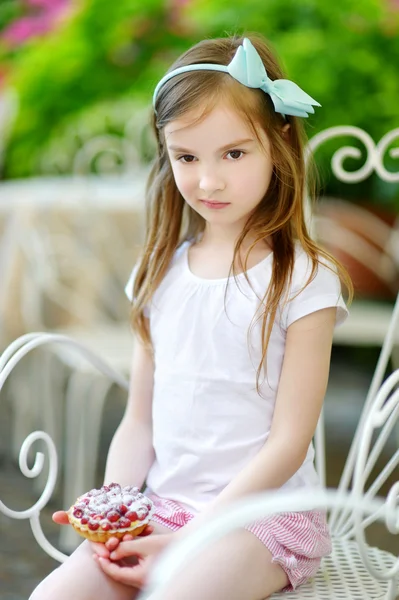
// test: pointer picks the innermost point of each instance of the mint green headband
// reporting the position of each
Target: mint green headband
(247, 68)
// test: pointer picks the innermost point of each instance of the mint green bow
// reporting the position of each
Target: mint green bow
(247, 68)
(288, 98)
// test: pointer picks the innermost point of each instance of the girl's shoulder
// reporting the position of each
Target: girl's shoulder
(309, 291)
(303, 267)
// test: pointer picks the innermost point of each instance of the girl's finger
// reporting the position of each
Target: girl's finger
(147, 531)
(126, 549)
(127, 575)
(127, 537)
(112, 543)
(60, 517)
(100, 549)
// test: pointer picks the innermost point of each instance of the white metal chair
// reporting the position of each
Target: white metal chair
(354, 570)
(346, 527)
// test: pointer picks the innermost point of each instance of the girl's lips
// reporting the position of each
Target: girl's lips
(214, 205)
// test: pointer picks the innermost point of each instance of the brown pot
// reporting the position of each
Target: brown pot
(360, 239)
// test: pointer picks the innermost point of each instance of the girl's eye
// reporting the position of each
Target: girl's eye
(235, 154)
(186, 158)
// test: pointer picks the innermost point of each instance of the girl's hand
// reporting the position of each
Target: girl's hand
(129, 562)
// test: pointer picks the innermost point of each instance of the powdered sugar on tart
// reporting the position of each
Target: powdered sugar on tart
(111, 511)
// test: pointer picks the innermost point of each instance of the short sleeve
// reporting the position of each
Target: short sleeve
(129, 290)
(324, 291)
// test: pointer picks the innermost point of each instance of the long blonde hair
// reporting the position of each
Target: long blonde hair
(279, 217)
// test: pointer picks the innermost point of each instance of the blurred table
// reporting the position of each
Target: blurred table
(68, 244)
(99, 192)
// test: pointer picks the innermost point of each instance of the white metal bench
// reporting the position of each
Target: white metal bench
(354, 570)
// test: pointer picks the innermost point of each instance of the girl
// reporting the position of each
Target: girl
(234, 307)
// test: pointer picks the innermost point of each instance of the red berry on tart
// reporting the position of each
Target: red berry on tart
(111, 511)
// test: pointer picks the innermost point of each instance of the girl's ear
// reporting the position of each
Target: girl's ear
(285, 132)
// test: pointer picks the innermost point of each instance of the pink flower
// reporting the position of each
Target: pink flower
(21, 30)
(39, 23)
(47, 5)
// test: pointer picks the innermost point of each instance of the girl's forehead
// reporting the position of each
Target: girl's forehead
(219, 120)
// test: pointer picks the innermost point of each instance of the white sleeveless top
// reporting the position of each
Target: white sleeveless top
(208, 419)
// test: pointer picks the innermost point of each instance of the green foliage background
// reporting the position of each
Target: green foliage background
(111, 54)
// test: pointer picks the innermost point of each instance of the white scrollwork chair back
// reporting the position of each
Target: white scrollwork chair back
(354, 570)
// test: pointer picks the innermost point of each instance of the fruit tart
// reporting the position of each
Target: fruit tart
(111, 511)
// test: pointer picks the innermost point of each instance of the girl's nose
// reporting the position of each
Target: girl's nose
(210, 181)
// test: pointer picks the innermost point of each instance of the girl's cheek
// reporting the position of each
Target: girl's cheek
(184, 183)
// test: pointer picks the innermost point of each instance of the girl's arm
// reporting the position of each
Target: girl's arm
(300, 396)
(131, 453)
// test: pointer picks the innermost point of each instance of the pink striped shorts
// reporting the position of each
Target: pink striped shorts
(297, 540)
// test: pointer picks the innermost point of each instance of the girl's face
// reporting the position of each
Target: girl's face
(219, 166)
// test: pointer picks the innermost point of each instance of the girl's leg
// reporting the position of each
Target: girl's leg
(81, 578)
(237, 567)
